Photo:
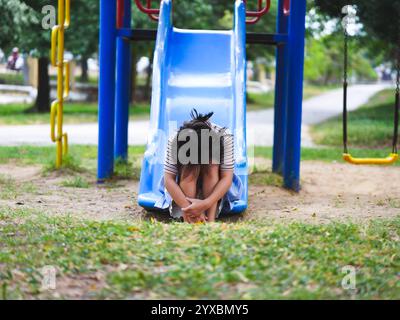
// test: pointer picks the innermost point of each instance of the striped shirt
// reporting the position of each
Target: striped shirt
(227, 157)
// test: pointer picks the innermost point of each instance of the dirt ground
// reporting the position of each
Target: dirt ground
(330, 191)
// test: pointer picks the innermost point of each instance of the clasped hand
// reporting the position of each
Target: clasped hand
(195, 212)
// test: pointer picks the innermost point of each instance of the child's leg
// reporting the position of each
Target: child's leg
(210, 178)
(188, 183)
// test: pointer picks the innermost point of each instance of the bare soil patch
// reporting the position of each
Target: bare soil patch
(330, 192)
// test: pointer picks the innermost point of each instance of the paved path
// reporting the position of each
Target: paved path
(259, 123)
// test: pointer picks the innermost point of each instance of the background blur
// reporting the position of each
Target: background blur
(27, 78)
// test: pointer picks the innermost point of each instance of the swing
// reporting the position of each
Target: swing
(393, 156)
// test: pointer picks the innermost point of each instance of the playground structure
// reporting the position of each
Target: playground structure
(200, 68)
(63, 80)
(189, 68)
(204, 69)
(116, 35)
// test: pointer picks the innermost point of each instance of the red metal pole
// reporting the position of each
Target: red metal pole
(286, 7)
(120, 13)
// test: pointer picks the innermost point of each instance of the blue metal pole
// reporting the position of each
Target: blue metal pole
(123, 89)
(106, 88)
(291, 169)
(281, 84)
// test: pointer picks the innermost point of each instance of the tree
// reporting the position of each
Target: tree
(82, 35)
(13, 20)
(316, 61)
(34, 40)
(379, 19)
(324, 60)
(22, 19)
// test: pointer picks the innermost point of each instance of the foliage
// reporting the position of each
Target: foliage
(369, 126)
(248, 260)
(324, 61)
(378, 18)
(15, 19)
(82, 36)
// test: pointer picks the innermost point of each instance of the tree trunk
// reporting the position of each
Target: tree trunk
(42, 103)
(84, 66)
(148, 78)
(133, 75)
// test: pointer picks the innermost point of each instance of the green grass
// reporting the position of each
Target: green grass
(81, 159)
(370, 126)
(17, 78)
(326, 154)
(149, 259)
(10, 190)
(251, 260)
(84, 158)
(13, 78)
(310, 90)
(264, 177)
(76, 182)
(13, 114)
(259, 101)
(92, 79)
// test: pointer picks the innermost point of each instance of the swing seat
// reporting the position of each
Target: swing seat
(391, 158)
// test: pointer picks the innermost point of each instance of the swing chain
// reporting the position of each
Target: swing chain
(398, 70)
(397, 100)
(346, 58)
(346, 40)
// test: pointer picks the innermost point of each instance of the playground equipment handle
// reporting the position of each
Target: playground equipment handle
(256, 15)
(152, 13)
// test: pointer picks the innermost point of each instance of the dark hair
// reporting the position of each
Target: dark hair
(196, 124)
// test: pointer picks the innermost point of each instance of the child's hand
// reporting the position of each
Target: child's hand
(196, 207)
(201, 218)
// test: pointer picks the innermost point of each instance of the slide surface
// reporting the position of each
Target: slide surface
(199, 69)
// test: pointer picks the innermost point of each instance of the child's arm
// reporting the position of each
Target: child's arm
(221, 188)
(180, 199)
(223, 185)
(174, 190)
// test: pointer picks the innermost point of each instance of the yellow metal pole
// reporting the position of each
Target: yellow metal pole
(57, 60)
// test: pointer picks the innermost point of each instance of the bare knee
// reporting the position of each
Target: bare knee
(210, 172)
(189, 175)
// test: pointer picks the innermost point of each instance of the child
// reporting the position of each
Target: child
(198, 169)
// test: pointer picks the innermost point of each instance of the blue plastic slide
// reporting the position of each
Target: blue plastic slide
(199, 69)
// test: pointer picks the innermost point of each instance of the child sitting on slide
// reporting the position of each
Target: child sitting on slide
(198, 169)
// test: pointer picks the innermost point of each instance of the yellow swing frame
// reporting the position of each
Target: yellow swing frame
(393, 156)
